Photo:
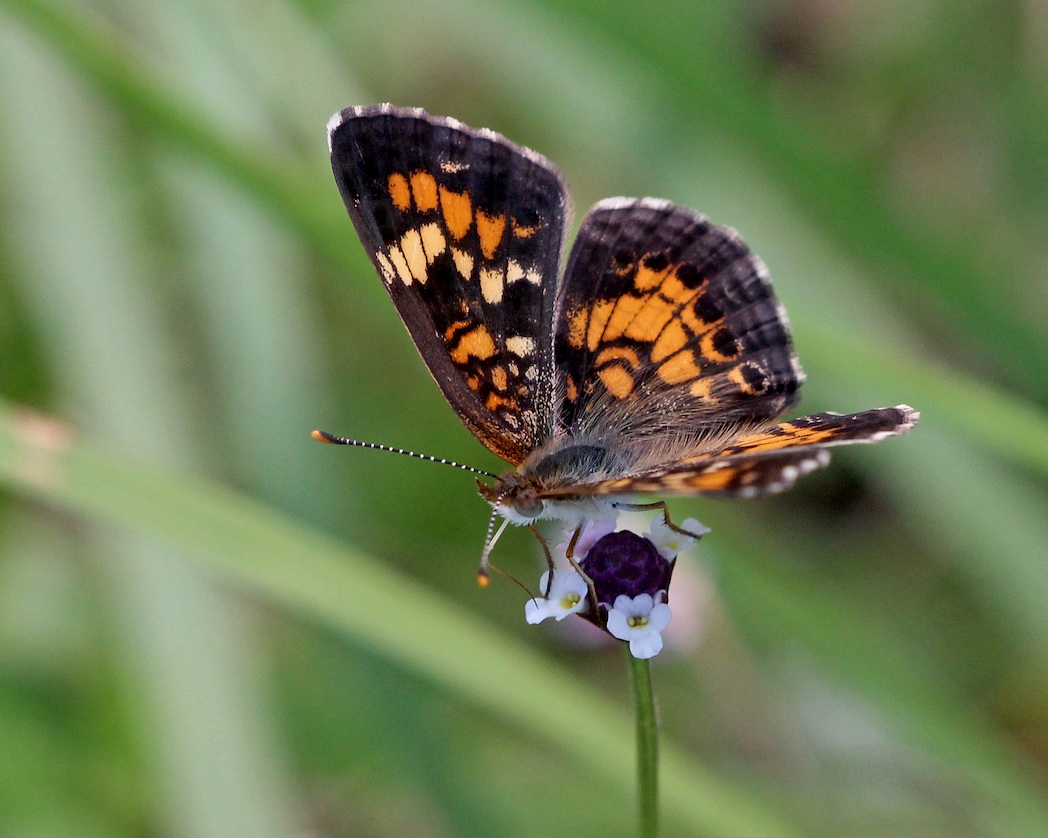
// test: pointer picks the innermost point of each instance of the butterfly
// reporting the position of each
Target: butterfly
(657, 362)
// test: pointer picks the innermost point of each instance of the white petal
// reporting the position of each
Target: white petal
(536, 610)
(618, 625)
(694, 526)
(659, 529)
(642, 605)
(669, 542)
(622, 604)
(567, 595)
(567, 582)
(659, 617)
(646, 645)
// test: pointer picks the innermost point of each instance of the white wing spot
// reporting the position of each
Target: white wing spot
(463, 262)
(397, 258)
(433, 241)
(514, 271)
(414, 255)
(491, 285)
(521, 346)
(384, 265)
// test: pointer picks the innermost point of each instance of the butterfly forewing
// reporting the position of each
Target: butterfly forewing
(465, 228)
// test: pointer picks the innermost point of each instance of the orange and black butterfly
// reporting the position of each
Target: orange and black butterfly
(658, 361)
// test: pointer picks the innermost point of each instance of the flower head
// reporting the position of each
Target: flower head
(626, 574)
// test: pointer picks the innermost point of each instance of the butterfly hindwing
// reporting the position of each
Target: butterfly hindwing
(465, 228)
(664, 316)
(759, 463)
(740, 475)
(824, 429)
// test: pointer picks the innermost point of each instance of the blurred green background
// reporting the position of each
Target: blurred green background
(212, 626)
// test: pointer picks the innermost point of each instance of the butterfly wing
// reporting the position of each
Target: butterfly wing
(465, 229)
(823, 429)
(759, 463)
(668, 328)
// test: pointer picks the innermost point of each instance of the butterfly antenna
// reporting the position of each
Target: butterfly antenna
(324, 436)
(514, 580)
(483, 573)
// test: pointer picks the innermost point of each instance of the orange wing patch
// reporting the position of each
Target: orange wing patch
(399, 192)
(457, 210)
(663, 318)
(783, 435)
(490, 229)
(424, 191)
(522, 231)
(475, 343)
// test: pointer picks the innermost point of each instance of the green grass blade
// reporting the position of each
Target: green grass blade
(371, 604)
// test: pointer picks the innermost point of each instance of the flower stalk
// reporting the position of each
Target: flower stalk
(647, 746)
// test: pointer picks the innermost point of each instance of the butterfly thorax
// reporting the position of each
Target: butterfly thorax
(536, 489)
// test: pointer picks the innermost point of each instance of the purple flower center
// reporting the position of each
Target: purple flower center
(625, 563)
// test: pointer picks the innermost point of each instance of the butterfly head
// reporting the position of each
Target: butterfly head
(520, 502)
(514, 497)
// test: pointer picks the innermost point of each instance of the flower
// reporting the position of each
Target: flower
(566, 595)
(671, 543)
(640, 620)
(626, 577)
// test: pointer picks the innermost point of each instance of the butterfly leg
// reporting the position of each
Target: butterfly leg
(660, 505)
(569, 554)
(549, 557)
(591, 594)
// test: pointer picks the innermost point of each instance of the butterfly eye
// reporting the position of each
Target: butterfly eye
(527, 505)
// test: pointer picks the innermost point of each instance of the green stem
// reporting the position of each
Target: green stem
(647, 747)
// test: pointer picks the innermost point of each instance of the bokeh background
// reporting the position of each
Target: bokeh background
(212, 626)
